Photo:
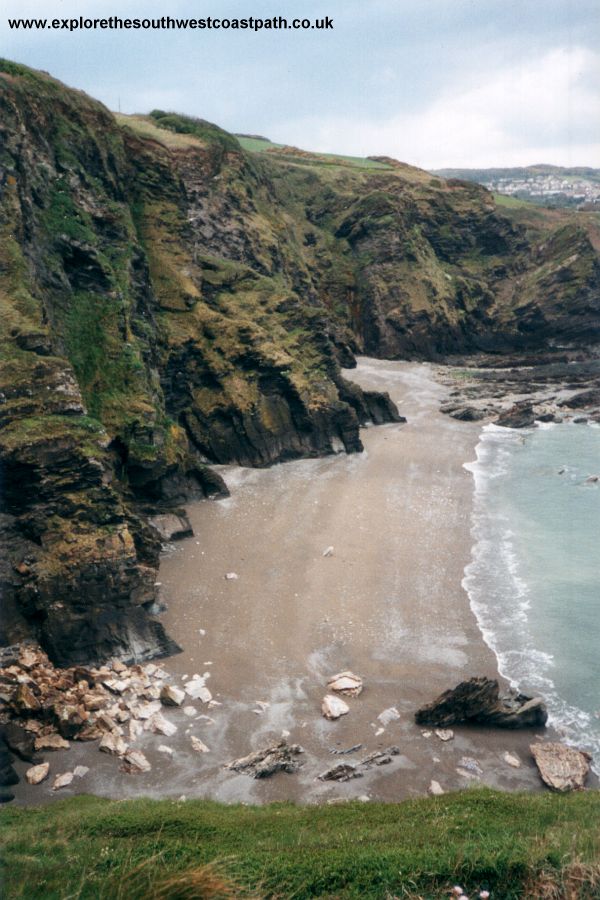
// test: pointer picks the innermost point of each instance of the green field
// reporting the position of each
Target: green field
(541, 845)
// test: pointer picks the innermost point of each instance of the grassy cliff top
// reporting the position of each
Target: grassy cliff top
(512, 845)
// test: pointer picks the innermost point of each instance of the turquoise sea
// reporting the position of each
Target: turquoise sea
(534, 578)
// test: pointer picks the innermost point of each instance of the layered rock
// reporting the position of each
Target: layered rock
(478, 701)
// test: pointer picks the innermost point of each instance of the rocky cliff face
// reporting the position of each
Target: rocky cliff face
(170, 300)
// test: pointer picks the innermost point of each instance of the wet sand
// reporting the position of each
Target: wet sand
(388, 604)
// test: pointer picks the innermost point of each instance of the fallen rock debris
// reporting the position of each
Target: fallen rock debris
(46, 708)
(37, 774)
(343, 752)
(346, 683)
(388, 715)
(562, 768)
(348, 771)
(198, 745)
(333, 707)
(280, 757)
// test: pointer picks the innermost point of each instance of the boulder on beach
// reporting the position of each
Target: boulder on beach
(281, 757)
(562, 768)
(37, 774)
(478, 700)
(172, 526)
(346, 683)
(333, 707)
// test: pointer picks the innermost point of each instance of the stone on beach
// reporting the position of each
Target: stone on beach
(134, 761)
(512, 759)
(444, 734)
(198, 745)
(172, 526)
(231, 576)
(80, 771)
(435, 789)
(51, 742)
(162, 748)
(196, 688)
(328, 551)
(562, 768)
(37, 774)
(171, 695)
(113, 744)
(159, 725)
(280, 757)
(388, 715)
(333, 707)
(478, 700)
(189, 711)
(341, 772)
(346, 683)
(62, 781)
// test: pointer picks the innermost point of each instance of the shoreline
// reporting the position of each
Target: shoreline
(388, 604)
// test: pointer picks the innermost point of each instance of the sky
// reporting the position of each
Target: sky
(436, 83)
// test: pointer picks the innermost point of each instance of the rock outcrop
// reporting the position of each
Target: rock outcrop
(478, 701)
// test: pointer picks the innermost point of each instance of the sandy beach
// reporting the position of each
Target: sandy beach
(387, 604)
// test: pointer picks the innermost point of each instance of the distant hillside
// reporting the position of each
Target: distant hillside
(543, 184)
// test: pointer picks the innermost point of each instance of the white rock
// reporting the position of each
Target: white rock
(388, 715)
(232, 576)
(333, 707)
(196, 688)
(80, 771)
(37, 774)
(379, 731)
(146, 710)
(512, 759)
(198, 745)
(62, 781)
(162, 748)
(435, 789)
(189, 710)
(159, 725)
(171, 695)
(364, 798)
(135, 759)
(135, 729)
(346, 683)
(426, 734)
(444, 734)
(328, 551)
(113, 744)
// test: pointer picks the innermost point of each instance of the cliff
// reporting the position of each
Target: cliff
(170, 299)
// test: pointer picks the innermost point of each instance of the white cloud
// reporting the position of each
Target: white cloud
(544, 110)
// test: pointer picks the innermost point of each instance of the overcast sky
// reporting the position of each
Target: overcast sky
(432, 82)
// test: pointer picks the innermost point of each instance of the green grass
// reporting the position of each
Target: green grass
(85, 847)
(511, 202)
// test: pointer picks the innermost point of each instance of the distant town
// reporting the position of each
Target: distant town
(578, 190)
(546, 185)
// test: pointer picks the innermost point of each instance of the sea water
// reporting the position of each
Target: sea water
(534, 577)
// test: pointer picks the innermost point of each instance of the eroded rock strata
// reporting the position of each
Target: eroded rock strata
(171, 300)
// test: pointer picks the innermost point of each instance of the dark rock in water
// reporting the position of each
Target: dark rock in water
(562, 768)
(580, 420)
(521, 415)
(172, 526)
(590, 397)
(478, 700)
(467, 413)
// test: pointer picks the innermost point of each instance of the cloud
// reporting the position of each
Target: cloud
(546, 109)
